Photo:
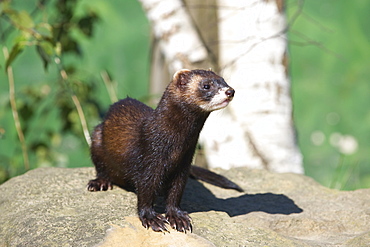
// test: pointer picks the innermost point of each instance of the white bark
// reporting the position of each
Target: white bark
(172, 27)
(256, 129)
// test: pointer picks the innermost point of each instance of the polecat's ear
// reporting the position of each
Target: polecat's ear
(181, 76)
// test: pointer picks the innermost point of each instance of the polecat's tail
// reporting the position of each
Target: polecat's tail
(213, 178)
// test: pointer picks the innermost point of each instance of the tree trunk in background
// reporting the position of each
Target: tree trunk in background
(176, 45)
(256, 129)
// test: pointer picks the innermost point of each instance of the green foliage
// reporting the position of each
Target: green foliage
(57, 51)
(329, 50)
(51, 38)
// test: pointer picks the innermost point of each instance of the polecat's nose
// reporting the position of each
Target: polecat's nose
(230, 93)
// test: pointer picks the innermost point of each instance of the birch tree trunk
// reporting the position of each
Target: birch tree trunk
(256, 129)
(177, 44)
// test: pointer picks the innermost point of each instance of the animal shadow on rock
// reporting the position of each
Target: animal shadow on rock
(198, 198)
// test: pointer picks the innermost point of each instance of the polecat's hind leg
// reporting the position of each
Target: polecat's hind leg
(99, 184)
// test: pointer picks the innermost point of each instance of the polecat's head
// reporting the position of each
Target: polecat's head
(203, 88)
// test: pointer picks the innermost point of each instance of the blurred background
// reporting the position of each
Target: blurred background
(107, 54)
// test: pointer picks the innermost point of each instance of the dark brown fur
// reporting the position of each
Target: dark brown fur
(150, 151)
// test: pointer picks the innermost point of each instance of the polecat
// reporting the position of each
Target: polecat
(150, 151)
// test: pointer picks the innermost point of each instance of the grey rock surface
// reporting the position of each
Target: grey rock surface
(51, 207)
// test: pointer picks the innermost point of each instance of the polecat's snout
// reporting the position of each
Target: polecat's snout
(230, 93)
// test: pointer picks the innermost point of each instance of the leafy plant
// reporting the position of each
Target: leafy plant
(68, 59)
(50, 29)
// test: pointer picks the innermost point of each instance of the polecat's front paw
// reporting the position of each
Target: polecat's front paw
(149, 218)
(179, 220)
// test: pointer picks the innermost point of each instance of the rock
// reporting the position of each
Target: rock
(51, 207)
